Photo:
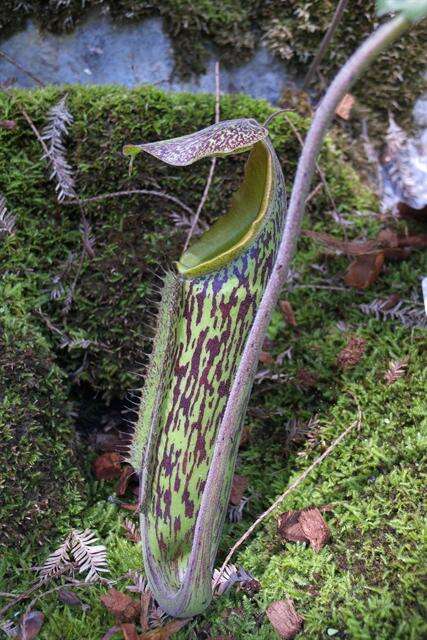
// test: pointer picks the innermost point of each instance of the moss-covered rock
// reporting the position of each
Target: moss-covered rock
(292, 30)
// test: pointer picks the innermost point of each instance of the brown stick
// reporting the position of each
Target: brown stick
(19, 66)
(294, 485)
(131, 192)
(342, 4)
(213, 162)
(318, 169)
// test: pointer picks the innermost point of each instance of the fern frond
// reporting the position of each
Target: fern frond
(57, 562)
(230, 576)
(88, 556)
(59, 119)
(396, 370)
(7, 220)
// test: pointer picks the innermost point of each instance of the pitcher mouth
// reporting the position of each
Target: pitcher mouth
(233, 232)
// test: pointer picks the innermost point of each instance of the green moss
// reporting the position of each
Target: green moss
(366, 582)
(39, 471)
(132, 234)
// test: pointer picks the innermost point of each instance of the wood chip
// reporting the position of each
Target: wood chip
(284, 618)
(344, 108)
(314, 528)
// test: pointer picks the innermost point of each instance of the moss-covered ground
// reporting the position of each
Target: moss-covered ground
(366, 583)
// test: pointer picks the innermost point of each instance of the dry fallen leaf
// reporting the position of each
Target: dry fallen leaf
(288, 312)
(345, 106)
(266, 358)
(165, 632)
(352, 353)
(129, 631)
(69, 597)
(31, 624)
(290, 528)
(284, 618)
(107, 466)
(238, 488)
(126, 474)
(364, 270)
(123, 607)
(314, 528)
(304, 525)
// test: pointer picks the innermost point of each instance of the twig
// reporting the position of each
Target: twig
(339, 11)
(131, 192)
(318, 169)
(213, 162)
(357, 423)
(19, 66)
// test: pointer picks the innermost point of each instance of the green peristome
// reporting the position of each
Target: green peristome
(206, 312)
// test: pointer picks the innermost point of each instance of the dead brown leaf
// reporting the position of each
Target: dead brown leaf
(238, 488)
(7, 124)
(284, 618)
(352, 353)
(123, 607)
(129, 631)
(290, 528)
(288, 312)
(31, 624)
(145, 607)
(304, 525)
(364, 270)
(345, 106)
(107, 466)
(165, 632)
(69, 597)
(126, 474)
(266, 358)
(314, 528)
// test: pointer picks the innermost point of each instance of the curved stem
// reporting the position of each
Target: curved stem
(228, 432)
